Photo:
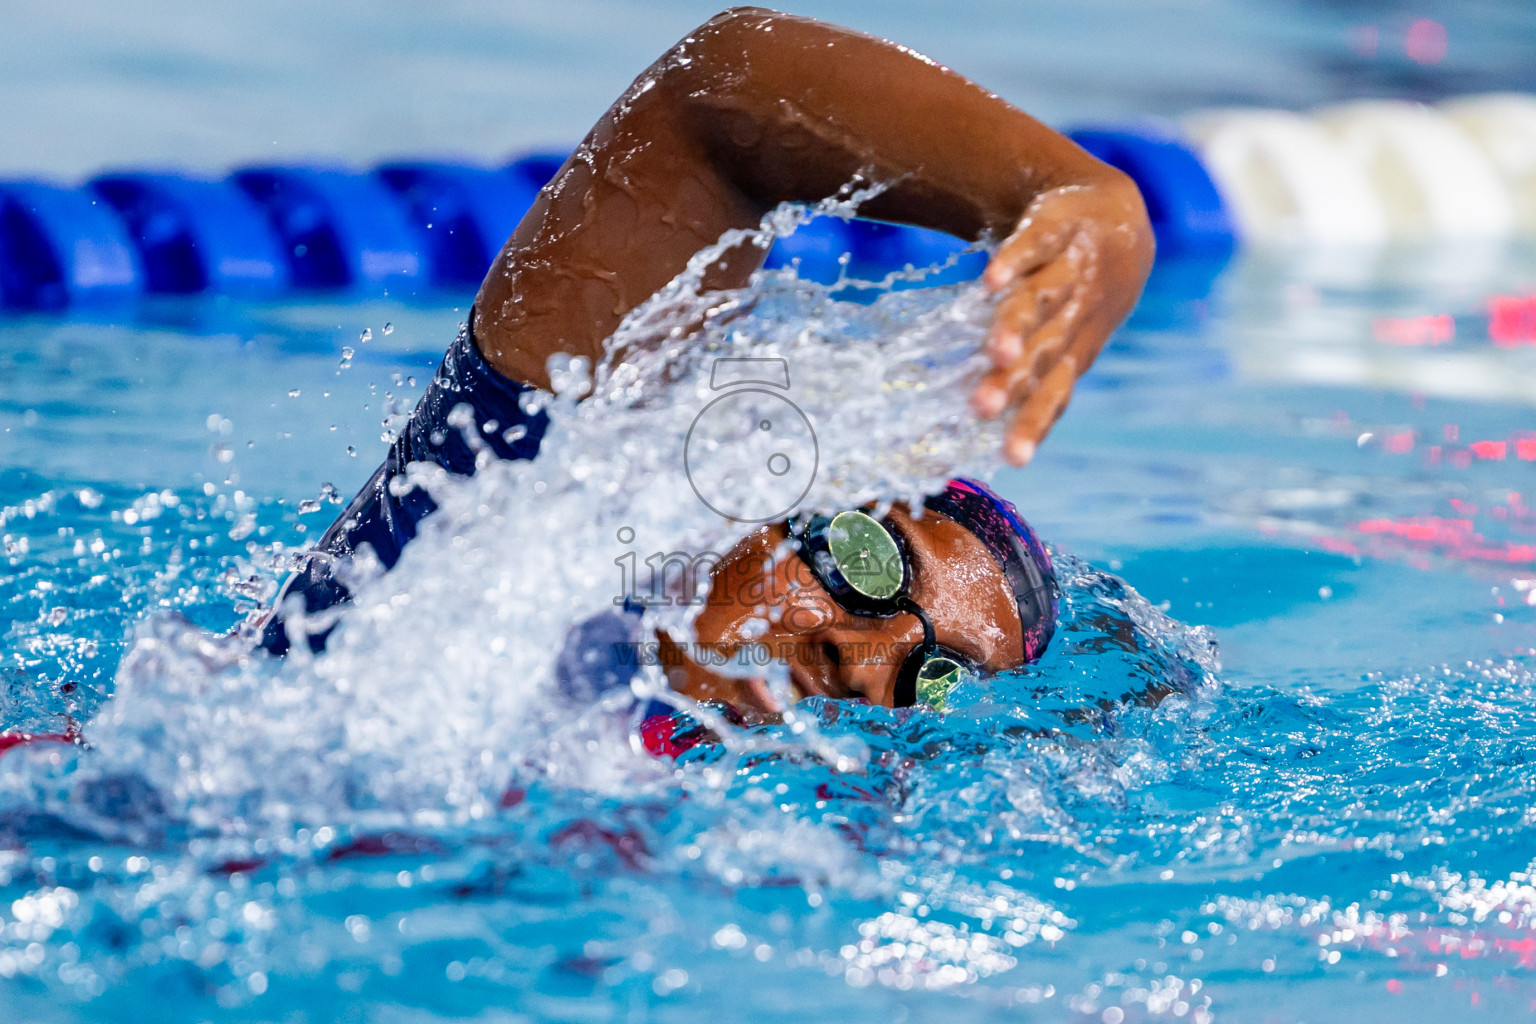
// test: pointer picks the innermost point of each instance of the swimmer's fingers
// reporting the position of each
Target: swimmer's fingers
(1034, 419)
(1028, 305)
(1044, 233)
(1069, 274)
(1013, 384)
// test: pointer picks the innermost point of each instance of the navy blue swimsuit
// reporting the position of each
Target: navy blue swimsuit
(386, 522)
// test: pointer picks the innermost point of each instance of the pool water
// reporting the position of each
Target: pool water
(1307, 537)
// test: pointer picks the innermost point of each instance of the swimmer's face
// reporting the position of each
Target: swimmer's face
(763, 592)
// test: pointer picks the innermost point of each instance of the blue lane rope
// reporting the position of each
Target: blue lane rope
(195, 235)
(340, 229)
(61, 247)
(411, 226)
(463, 214)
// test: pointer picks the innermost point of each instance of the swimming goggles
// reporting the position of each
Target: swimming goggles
(865, 567)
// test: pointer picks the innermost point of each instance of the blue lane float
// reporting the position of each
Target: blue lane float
(532, 172)
(462, 212)
(1187, 213)
(61, 247)
(195, 235)
(339, 229)
(815, 250)
(924, 248)
(874, 249)
(465, 213)
(413, 225)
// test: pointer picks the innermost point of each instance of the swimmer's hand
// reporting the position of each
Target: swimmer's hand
(1066, 277)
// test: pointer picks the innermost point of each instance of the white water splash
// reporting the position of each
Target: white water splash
(438, 682)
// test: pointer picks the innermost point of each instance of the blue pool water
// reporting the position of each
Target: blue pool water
(1315, 539)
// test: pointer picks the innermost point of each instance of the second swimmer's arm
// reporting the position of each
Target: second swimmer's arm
(756, 108)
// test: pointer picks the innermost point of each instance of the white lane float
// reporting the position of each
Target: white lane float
(1503, 126)
(1432, 180)
(1286, 180)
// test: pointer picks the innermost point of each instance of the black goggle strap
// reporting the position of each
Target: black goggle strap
(930, 671)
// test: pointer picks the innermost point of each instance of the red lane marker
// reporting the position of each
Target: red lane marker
(1512, 320)
(1339, 546)
(1414, 330)
(1426, 41)
(1421, 528)
(1526, 948)
(1455, 537)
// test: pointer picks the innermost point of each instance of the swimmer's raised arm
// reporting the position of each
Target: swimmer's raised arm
(756, 108)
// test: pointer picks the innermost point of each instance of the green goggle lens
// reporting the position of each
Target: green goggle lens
(865, 554)
(936, 678)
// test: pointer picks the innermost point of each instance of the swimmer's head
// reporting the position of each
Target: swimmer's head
(1016, 549)
(878, 609)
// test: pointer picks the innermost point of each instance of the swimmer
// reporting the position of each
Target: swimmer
(750, 110)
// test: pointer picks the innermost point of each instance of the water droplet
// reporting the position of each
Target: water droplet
(346, 356)
(389, 328)
(293, 393)
(366, 336)
(351, 452)
(308, 505)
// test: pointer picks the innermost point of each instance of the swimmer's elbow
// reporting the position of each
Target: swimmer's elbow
(738, 34)
(733, 23)
(740, 16)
